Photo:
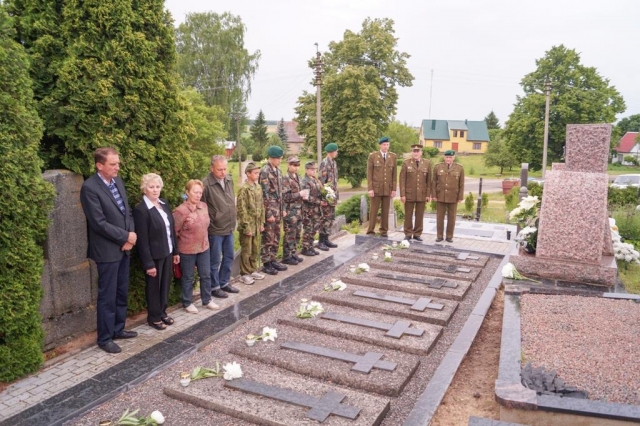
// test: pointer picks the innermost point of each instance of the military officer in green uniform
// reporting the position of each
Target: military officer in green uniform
(292, 199)
(448, 191)
(415, 190)
(311, 209)
(328, 175)
(382, 181)
(271, 182)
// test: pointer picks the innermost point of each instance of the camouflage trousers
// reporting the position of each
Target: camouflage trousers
(328, 216)
(249, 253)
(270, 241)
(292, 233)
(311, 222)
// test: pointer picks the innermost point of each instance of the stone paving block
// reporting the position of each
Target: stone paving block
(433, 268)
(379, 381)
(419, 345)
(424, 256)
(349, 297)
(369, 279)
(215, 394)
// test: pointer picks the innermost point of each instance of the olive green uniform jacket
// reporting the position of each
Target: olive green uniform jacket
(448, 183)
(381, 174)
(415, 182)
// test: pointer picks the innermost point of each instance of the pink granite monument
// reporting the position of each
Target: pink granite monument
(574, 240)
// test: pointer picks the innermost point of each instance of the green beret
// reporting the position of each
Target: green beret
(331, 147)
(383, 139)
(275, 151)
(449, 152)
(250, 167)
(310, 165)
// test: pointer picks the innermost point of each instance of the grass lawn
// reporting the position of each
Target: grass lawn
(630, 277)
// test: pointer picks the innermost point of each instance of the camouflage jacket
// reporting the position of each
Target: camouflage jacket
(291, 195)
(250, 208)
(314, 186)
(329, 174)
(271, 182)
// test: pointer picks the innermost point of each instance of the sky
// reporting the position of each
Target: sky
(477, 50)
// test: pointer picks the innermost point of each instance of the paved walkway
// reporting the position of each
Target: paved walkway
(69, 371)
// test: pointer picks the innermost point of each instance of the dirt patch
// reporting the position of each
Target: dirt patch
(472, 391)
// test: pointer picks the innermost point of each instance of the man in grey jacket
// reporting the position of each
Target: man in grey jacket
(221, 201)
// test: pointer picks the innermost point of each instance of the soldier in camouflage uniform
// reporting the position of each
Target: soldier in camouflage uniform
(329, 175)
(250, 223)
(271, 182)
(311, 212)
(292, 199)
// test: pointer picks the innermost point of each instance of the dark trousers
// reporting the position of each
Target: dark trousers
(113, 288)
(450, 209)
(375, 202)
(413, 228)
(157, 289)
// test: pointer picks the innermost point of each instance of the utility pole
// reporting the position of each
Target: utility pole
(237, 117)
(547, 91)
(430, 93)
(318, 104)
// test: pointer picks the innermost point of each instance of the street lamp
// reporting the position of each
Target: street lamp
(547, 91)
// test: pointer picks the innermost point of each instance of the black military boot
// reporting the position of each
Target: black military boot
(278, 266)
(308, 252)
(298, 258)
(290, 260)
(268, 269)
(329, 243)
(321, 245)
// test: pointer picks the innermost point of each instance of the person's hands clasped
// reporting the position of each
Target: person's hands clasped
(152, 272)
(370, 193)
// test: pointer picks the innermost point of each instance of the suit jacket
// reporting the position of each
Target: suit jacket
(381, 174)
(108, 227)
(415, 182)
(448, 183)
(152, 233)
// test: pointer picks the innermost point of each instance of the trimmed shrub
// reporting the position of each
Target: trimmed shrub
(468, 203)
(351, 208)
(399, 208)
(512, 199)
(243, 153)
(257, 155)
(25, 202)
(485, 200)
(535, 189)
(430, 152)
(433, 206)
(619, 197)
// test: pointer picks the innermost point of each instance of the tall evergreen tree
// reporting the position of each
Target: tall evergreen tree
(282, 132)
(25, 202)
(259, 132)
(492, 121)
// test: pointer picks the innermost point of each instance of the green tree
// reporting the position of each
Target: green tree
(212, 58)
(492, 121)
(402, 136)
(25, 202)
(258, 132)
(498, 152)
(362, 73)
(282, 132)
(579, 94)
(629, 124)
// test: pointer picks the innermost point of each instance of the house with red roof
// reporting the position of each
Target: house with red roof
(628, 145)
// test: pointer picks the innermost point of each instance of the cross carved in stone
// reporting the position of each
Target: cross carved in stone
(416, 305)
(436, 283)
(396, 330)
(362, 363)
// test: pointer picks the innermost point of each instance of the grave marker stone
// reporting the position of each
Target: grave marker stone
(433, 282)
(396, 330)
(417, 305)
(379, 280)
(451, 269)
(362, 363)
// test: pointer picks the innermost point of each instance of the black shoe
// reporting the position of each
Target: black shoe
(322, 247)
(157, 325)
(111, 348)
(278, 266)
(407, 237)
(417, 238)
(315, 251)
(298, 258)
(290, 261)
(219, 294)
(126, 335)
(449, 240)
(308, 252)
(268, 269)
(329, 243)
(384, 236)
(438, 240)
(229, 289)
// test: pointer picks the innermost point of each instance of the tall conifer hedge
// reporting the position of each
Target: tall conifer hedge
(25, 201)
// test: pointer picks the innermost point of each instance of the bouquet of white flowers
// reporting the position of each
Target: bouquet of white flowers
(329, 194)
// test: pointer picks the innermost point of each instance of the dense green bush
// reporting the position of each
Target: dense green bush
(430, 151)
(243, 154)
(468, 203)
(433, 206)
(512, 198)
(398, 206)
(257, 155)
(485, 200)
(535, 189)
(628, 223)
(351, 208)
(25, 201)
(618, 197)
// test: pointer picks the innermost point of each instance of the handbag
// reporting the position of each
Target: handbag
(177, 271)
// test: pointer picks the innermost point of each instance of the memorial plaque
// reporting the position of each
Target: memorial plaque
(431, 282)
(450, 268)
(383, 330)
(268, 396)
(372, 279)
(416, 267)
(341, 361)
(400, 304)
(425, 256)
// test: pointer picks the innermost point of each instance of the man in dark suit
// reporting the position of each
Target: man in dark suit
(111, 237)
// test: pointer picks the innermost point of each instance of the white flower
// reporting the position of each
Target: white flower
(508, 271)
(387, 255)
(527, 230)
(338, 285)
(515, 212)
(315, 306)
(232, 371)
(529, 202)
(405, 244)
(157, 417)
(364, 267)
(269, 333)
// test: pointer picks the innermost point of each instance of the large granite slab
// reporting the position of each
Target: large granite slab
(587, 148)
(413, 344)
(371, 279)
(432, 268)
(217, 395)
(450, 256)
(338, 371)
(438, 311)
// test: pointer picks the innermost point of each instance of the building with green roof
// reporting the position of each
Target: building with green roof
(463, 136)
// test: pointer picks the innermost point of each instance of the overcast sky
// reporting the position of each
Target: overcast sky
(479, 50)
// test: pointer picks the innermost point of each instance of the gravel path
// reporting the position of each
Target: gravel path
(592, 343)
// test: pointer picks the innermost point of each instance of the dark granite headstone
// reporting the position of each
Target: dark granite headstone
(396, 329)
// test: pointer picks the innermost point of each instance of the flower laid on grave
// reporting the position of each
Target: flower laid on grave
(336, 285)
(362, 267)
(309, 309)
(510, 271)
(268, 334)
(387, 256)
(624, 253)
(204, 372)
(526, 214)
(232, 371)
(130, 419)
(404, 244)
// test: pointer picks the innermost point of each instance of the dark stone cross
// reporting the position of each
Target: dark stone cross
(416, 305)
(320, 408)
(451, 269)
(459, 256)
(435, 283)
(362, 363)
(396, 330)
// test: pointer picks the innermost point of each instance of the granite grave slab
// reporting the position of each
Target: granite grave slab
(294, 351)
(400, 304)
(587, 147)
(371, 327)
(410, 283)
(426, 256)
(270, 396)
(442, 269)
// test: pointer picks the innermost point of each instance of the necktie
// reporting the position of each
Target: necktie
(384, 156)
(417, 164)
(117, 196)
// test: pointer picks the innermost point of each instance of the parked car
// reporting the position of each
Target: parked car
(624, 181)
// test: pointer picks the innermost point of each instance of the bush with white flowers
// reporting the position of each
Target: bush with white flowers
(526, 214)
